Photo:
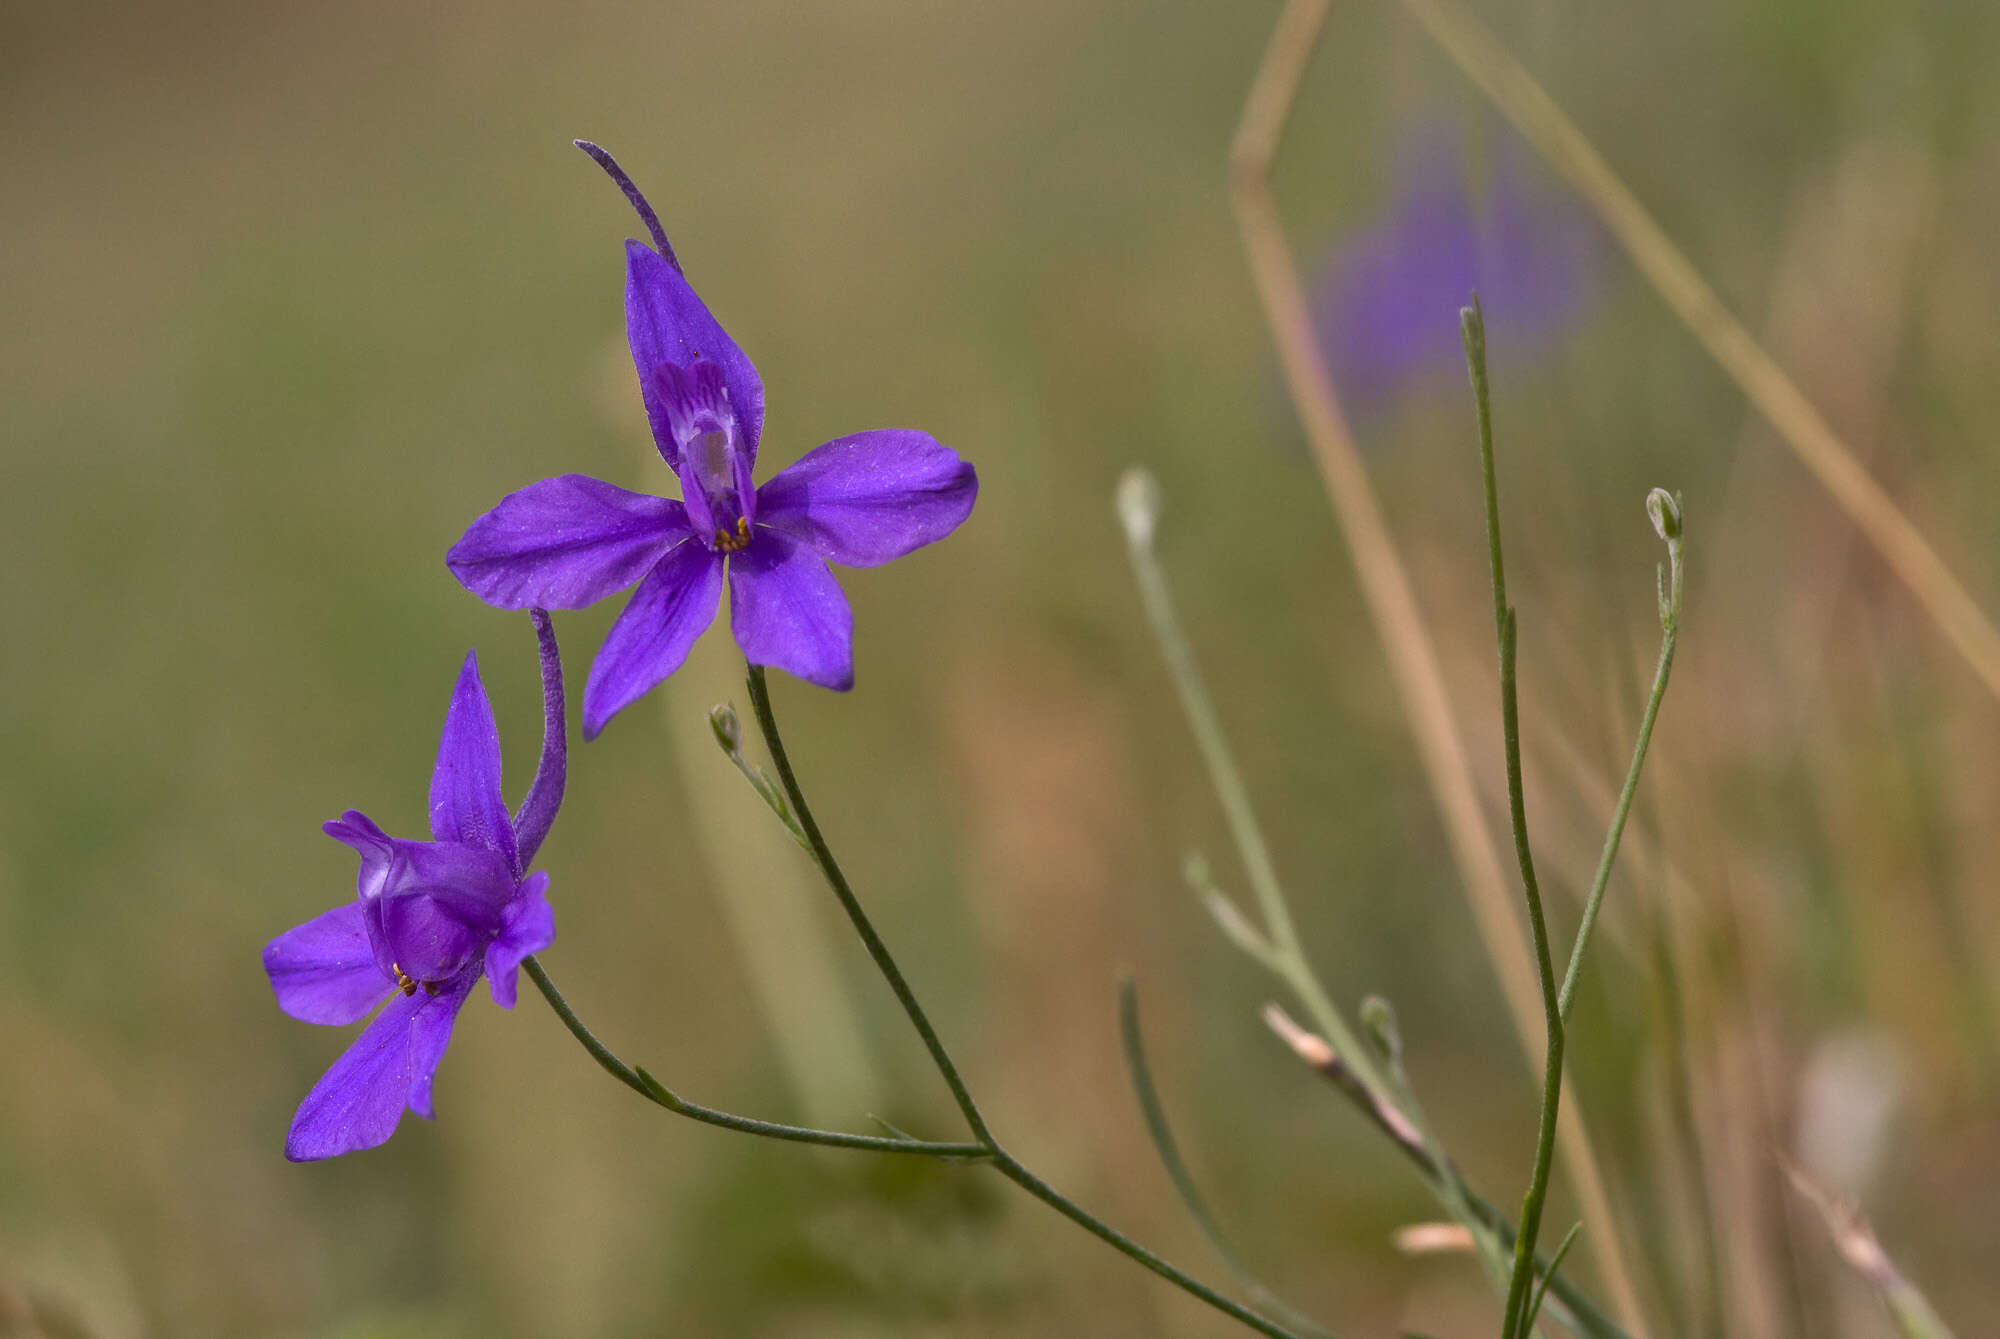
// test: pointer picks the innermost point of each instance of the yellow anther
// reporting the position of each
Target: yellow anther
(728, 543)
(403, 981)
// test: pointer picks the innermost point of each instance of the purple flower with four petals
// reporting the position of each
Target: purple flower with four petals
(570, 541)
(431, 918)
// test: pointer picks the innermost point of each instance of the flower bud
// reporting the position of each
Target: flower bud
(1138, 505)
(728, 732)
(1378, 1018)
(1665, 511)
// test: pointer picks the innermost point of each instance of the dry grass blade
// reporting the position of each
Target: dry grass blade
(1902, 545)
(1855, 1240)
(1391, 604)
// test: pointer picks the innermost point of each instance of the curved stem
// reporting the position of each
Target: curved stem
(1552, 1061)
(1005, 1164)
(650, 1088)
(760, 699)
(1515, 1317)
(1567, 998)
(1003, 1161)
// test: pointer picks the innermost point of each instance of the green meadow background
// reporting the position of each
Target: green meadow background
(295, 291)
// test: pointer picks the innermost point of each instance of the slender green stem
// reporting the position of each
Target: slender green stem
(1667, 520)
(1582, 1314)
(760, 699)
(1154, 1111)
(1276, 945)
(1008, 1167)
(1515, 1314)
(1567, 998)
(1549, 1274)
(1518, 1318)
(1473, 327)
(1003, 1161)
(650, 1088)
(1276, 942)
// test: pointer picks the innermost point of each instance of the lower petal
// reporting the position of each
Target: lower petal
(531, 927)
(324, 971)
(787, 610)
(358, 1103)
(430, 1033)
(673, 606)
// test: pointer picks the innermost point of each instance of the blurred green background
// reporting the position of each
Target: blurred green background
(294, 292)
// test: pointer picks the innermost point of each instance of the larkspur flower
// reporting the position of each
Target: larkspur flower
(570, 541)
(1386, 305)
(430, 918)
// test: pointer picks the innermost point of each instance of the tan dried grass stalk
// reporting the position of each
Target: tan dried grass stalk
(1385, 586)
(1481, 58)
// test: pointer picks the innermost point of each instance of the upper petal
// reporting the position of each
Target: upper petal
(376, 848)
(473, 882)
(465, 785)
(359, 1101)
(530, 928)
(673, 606)
(863, 499)
(666, 323)
(324, 971)
(786, 610)
(564, 543)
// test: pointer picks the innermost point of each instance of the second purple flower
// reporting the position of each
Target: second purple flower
(570, 541)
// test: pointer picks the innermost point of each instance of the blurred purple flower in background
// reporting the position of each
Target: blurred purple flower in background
(429, 920)
(1386, 304)
(570, 541)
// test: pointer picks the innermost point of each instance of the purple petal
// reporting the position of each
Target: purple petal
(666, 323)
(475, 884)
(324, 971)
(564, 543)
(425, 940)
(866, 498)
(673, 606)
(531, 927)
(359, 1101)
(469, 884)
(787, 610)
(465, 785)
(376, 848)
(429, 1035)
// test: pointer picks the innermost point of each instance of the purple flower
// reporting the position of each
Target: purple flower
(1386, 306)
(431, 918)
(570, 541)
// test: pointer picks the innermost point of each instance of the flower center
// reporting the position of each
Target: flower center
(704, 450)
(708, 453)
(408, 985)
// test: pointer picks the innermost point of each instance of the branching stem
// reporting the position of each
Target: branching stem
(1518, 1317)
